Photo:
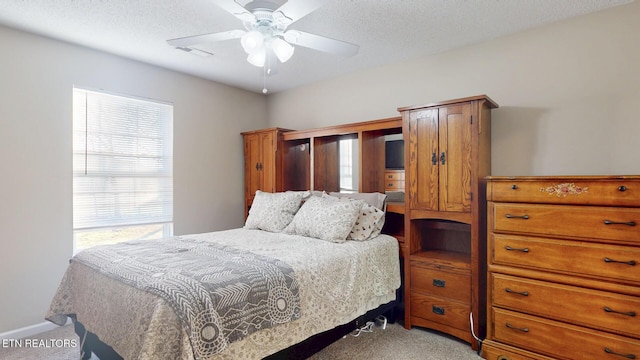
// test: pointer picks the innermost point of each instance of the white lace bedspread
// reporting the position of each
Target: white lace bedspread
(338, 282)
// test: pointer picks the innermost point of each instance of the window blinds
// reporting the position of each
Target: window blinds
(122, 161)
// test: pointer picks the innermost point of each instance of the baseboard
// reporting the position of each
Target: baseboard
(30, 330)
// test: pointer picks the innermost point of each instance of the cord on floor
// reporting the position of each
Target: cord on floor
(379, 321)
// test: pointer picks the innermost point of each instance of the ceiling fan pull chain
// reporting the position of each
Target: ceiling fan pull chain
(264, 80)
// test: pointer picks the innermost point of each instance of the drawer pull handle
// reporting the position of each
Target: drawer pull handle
(514, 186)
(630, 262)
(628, 356)
(509, 216)
(622, 188)
(437, 310)
(523, 293)
(628, 223)
(628, 313)
(525, 250)
(517, 328)
(439, 283)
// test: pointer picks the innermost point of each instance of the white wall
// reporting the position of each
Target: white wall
(569, 94)
(36, 79)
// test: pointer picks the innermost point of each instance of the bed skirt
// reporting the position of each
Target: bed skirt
(302, 350)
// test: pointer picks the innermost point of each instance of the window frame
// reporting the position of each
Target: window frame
(148, 165)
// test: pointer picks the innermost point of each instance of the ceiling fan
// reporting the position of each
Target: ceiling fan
(266, 31)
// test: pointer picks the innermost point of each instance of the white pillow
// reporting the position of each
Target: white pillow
(306, 194)
(272, 211)
(368, 225)
(327, 218)
(375, 198)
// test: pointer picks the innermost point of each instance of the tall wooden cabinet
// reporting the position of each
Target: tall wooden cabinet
(447, 154)
(263, 170)
(564, 274)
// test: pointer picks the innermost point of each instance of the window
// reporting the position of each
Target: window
(122, 169)
(348, 158)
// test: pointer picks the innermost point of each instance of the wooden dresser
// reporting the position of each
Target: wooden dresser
(563, 268)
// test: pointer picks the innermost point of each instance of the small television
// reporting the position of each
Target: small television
(394, 154)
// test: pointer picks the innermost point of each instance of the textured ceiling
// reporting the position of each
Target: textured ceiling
(386, 30)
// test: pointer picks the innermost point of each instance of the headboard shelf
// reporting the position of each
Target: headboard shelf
(319, 150)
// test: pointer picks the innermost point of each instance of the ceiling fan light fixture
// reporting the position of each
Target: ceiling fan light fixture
(252, 41)
(282, 49)
(258, 57)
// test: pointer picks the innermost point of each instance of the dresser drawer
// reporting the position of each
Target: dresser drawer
(394, 175)
(597, 309)
(492, 350)
(611, 192)
(392, 185)
(441, 283)
(560, 340)
(591, 223)
(618, 263)
(440, 310)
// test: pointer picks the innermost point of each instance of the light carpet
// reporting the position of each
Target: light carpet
(395, 342)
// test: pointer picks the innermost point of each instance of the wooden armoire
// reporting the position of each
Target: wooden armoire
(263, 151)
(447, 157)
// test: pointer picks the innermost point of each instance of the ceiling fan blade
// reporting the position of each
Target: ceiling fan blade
(295, 10)
(235, 9)
(321, 43)
(206, 38)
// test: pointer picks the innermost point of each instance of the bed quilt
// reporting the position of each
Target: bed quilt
(306, 286)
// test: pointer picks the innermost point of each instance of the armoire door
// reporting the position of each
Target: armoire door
(454, 157)
(259, 163)
(267, 162)
(423, 159)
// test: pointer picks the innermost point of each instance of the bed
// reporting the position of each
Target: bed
(137, 298)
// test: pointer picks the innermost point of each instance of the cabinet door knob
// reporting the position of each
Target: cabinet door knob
(442, 158)
(434, 159)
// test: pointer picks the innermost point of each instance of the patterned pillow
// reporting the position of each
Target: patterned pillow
(377, 227)
(368, 225)
(327, 218)
(272, 211)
